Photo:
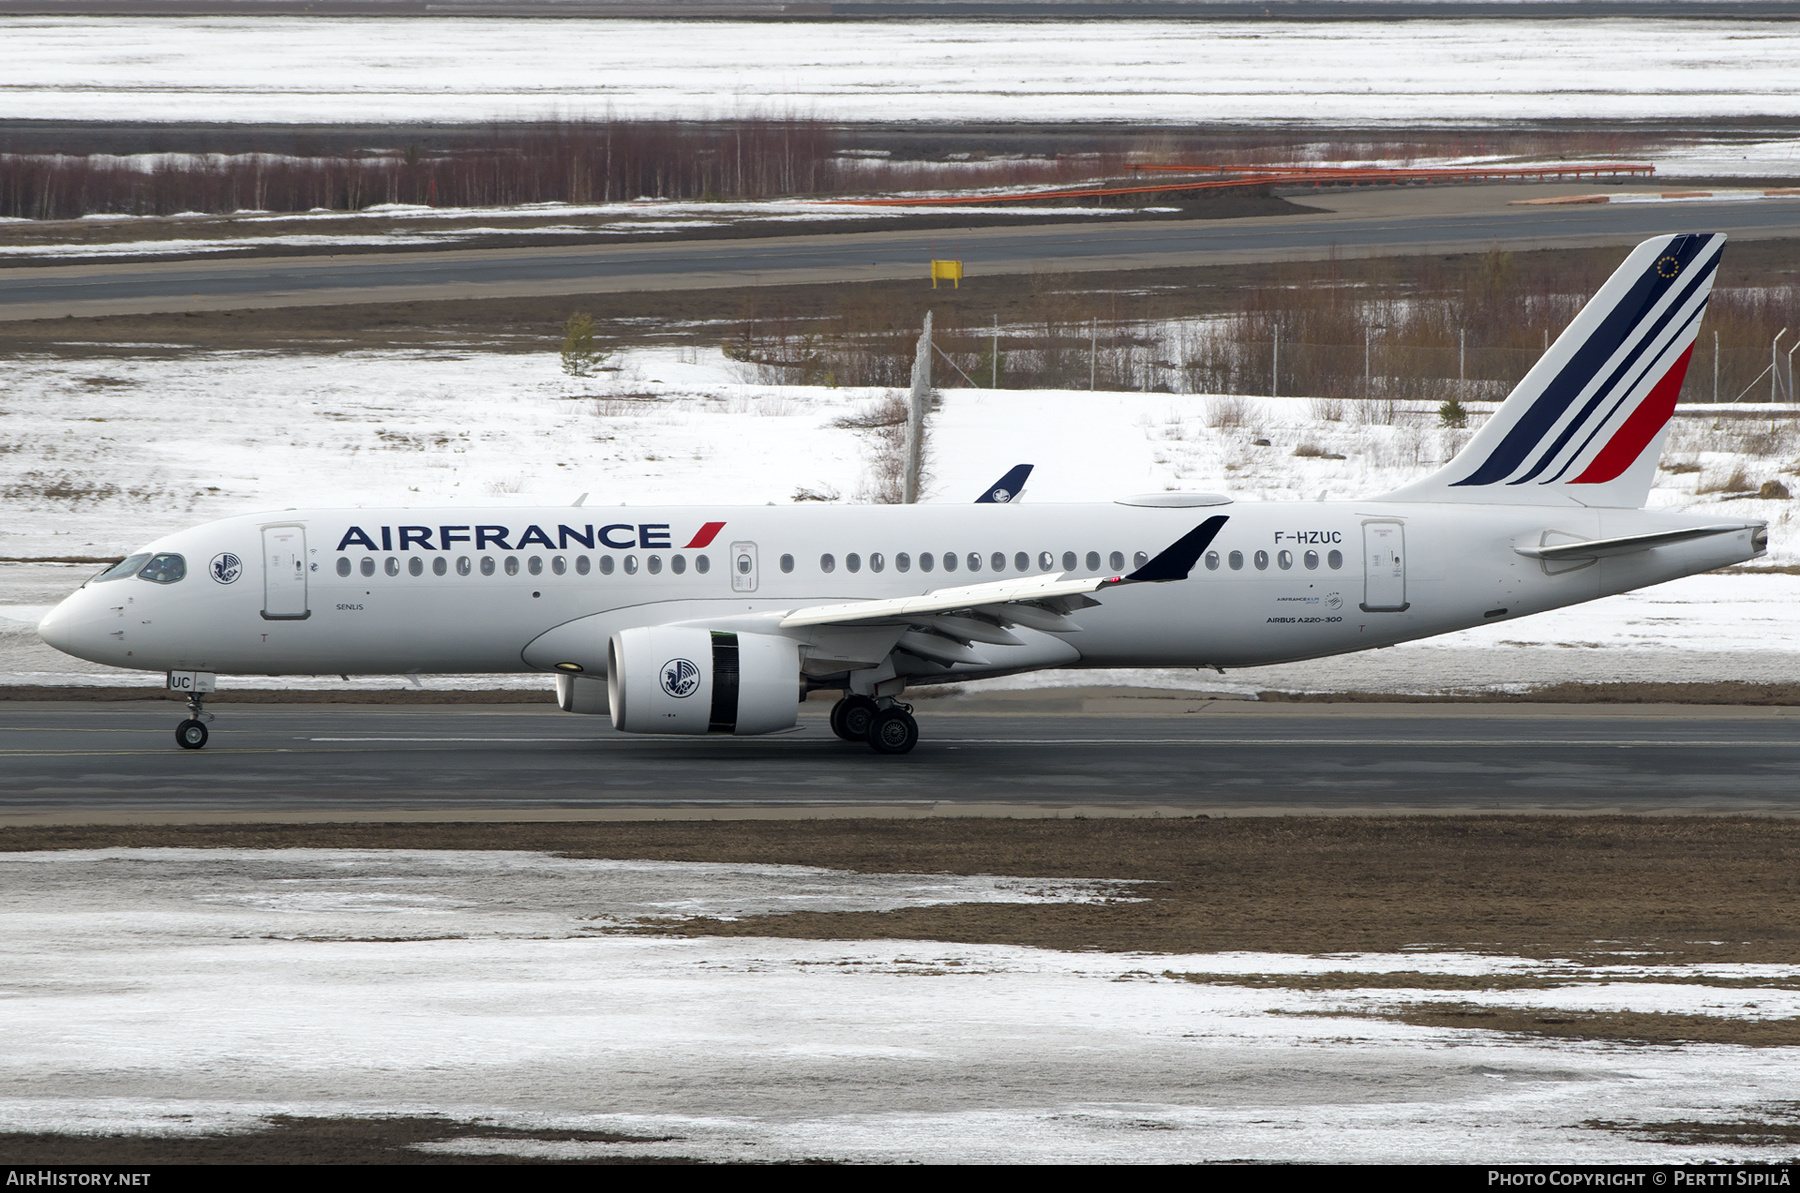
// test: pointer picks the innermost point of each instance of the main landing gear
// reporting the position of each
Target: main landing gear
(191, 734)
(888, 727)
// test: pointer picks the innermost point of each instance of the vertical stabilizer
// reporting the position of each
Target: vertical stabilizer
(1586, 425)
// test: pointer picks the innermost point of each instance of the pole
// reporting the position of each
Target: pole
(1368, 338)
(1715, 368)
(915, 417)
(1462, 354)
(1775, 369)
(1093, 348)
(1790, 355)
(1275, 368)
(995, 380)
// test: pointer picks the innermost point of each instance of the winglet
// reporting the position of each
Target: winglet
(1007, 488)
(1176, 560)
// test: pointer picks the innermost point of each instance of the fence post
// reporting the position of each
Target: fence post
(1775, 365)
(1093, 349)
(1275, 368)
(1462, 353)
(1715, 368)
(1368, 338)
(915, 417)
(994, 381)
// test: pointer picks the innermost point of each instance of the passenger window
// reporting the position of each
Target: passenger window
(1069, 561)
(392, 566)
(581, 565)
(631, 565)
(439, 566)
(1311, 558)
(1212, 561)
(876, 562)
(1335, 559)
(828, 562)
(367, 565)
(416, 566)
(1116, 561)
(949, 561)
(975, 561)
(998, 562)
(343, 566)
(606, 565)
(1236, 559)
(1022, 562)
(1093, 561)
(487, 565)
(558, 564)
(1285, 560)
(787, 563)
(903, 562)
(1262, 561)
(512, 565)
(1139, 560)
(654, 563)
(1046, 561)
(853, 561)
(164, 569)
(703, 564)
(535, 566)
(462, 565)
(678, 564)
(927, 560)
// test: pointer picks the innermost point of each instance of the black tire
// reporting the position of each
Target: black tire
(191, 735)
(853, 717)
(893, 732)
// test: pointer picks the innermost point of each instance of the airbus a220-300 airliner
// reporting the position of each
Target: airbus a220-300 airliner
(699, 620)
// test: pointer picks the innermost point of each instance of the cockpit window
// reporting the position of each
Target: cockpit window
(125, 567)
(164, 569)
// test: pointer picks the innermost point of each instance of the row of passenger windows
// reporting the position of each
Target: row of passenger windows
(1283, 560)
(534, 565)
(997, 562)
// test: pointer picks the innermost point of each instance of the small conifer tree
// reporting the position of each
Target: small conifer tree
(1453, 414)
(579, 356)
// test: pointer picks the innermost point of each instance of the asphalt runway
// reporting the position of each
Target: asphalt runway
(119, 762)
(1375, 223)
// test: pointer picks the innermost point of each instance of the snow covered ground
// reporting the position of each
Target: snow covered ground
(174, 991)
(375, 70)
(102, 454)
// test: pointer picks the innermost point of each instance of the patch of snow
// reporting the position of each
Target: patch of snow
(331, 70)
(178, 992)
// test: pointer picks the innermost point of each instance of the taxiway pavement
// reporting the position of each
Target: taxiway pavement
(103, 763)
(1375, 223)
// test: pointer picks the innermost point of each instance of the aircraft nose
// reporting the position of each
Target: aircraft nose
(71, 627)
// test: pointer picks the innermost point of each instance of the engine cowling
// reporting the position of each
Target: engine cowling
(681, 679)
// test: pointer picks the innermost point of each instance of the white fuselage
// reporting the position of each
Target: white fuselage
(440, 591)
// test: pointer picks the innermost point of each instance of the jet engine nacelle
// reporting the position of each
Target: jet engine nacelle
(679, 679)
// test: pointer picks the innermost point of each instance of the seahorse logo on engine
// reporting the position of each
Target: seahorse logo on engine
(680, 678)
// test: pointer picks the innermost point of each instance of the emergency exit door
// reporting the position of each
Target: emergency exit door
(1384, 567)
(743, 567)
(284, 573)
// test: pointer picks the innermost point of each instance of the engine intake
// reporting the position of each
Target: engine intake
(681, 679)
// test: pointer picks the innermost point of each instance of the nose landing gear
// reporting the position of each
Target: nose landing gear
(887, 727)
(191, 734)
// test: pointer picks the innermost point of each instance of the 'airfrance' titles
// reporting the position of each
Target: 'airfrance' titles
(618, 536)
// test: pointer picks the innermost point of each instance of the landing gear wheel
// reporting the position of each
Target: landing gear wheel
(190, 735)
(852, 717)
(894, 731)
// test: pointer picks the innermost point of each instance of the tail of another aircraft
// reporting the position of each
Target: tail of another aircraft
(1586, 426)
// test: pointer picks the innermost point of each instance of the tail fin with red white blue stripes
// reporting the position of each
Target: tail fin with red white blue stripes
(1586, 425)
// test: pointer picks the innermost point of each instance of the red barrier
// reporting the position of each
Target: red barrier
(1281, 176)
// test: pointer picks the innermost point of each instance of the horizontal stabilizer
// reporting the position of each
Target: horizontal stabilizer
(1629, 544)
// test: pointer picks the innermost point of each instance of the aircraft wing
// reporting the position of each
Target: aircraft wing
(1030, 597)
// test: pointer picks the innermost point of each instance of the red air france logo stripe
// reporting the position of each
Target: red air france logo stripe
(706, 535)
(1629, 442)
